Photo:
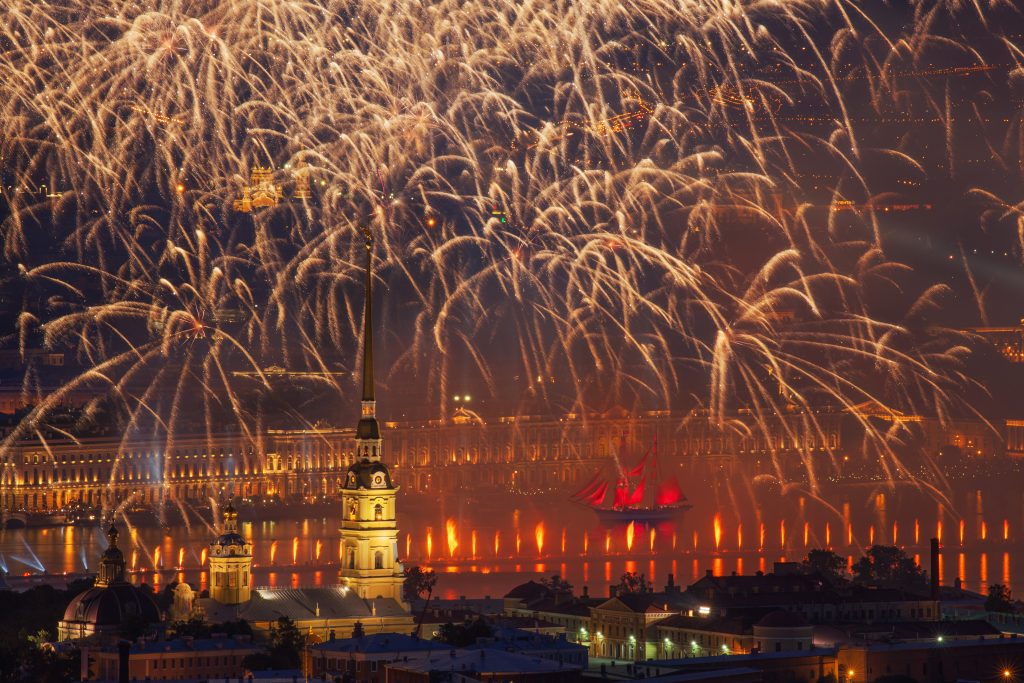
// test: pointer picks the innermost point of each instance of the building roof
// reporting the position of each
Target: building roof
(576, 607)
(638, 602)
(518, 640)
(363, 473)
(107, 606)
(199, 645)
(303, 604)
(735, 625)
(780, 618)
(381, 643)
(480, 661)
(531, 590)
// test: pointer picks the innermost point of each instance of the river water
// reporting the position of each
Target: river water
(485, 547)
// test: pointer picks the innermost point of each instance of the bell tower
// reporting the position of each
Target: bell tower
(369, 529)
(230, 563)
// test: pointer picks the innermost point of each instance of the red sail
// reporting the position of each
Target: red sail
(668, 492)
(637, 496)
(639, 469)
(621, 494)
(588, 490)
(597, 497)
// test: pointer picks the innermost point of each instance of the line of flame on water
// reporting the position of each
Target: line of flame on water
(295, 550)
(563, 541)
(430, 543)
(807, 533)
(717, 522)
(538, 534)
(652, 535)
(917, 532)
(181, 557)
(984, 531)
(694, 539)
(273, 552)
(938, 530)
(497, 544)
(630, 531)
(849, 534)
(961, 533)
(607, 542)
(586, 542)
(156, 557)
(202, 558)
(871, 535)
(1006, 529)
(452, 536)
(472, 544)
(518, 543)
(895, 534)
(408, 545)
(319, 547)
(782, 534)
(135, 557)
(760, 537)
(828, 535)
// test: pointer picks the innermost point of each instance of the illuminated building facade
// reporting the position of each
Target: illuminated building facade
(525, 453)
(522, 453)
(230, 563)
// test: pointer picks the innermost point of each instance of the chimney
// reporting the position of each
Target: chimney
(670, 585)
(123, 648)
(586, 592)
(935, 554)
(708, 574)
(612, 590)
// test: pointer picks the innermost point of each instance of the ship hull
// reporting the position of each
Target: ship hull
(627, 515)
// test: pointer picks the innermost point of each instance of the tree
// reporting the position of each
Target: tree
(888, 565)
(999, 599)
(465, 634)
(556, 584)
(286, 645)
(631, 582)
(417, 584)
(826, 563)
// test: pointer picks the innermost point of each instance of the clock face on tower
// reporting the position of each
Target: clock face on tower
(352, 479)
(378, 481)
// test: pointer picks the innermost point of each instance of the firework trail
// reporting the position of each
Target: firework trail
(622, 188)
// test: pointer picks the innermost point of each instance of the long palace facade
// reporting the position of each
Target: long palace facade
(514, 453)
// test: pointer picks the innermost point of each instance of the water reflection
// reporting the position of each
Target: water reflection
(479, 551)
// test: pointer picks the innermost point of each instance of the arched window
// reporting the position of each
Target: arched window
(378, 560)
(378, 512)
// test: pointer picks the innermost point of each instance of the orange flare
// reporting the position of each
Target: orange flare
(718, 531)
(452, 535)
(630, 531)
(538, 534)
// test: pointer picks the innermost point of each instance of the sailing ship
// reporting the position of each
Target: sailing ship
(641, 493)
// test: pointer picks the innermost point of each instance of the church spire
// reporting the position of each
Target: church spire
(368, 322)
(368, 431)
